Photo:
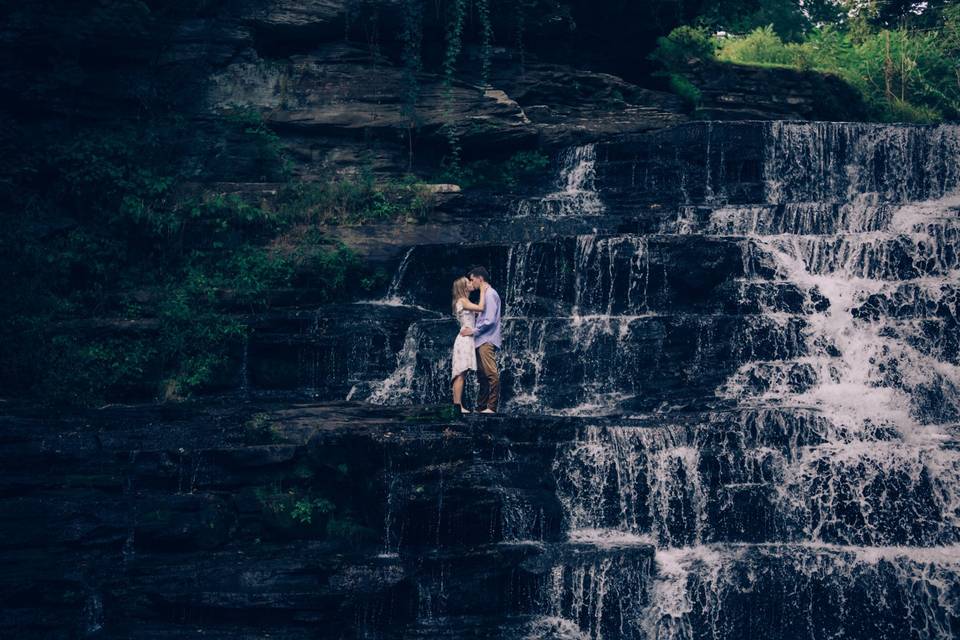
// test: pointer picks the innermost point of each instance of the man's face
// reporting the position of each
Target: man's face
(475, 282)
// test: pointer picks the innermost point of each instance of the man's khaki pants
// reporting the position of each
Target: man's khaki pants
(488, 378)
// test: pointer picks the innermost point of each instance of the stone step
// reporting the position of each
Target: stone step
(936, 218)
(557, 365)
(291, 585)
(731, 591)
(873, 256)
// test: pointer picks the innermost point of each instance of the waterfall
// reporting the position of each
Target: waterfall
(576, 193)
(826, 162)
(765, 393)
(860, 227)
(394, 295)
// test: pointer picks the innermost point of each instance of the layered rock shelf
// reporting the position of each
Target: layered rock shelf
(731, 406)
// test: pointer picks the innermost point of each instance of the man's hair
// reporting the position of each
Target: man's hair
(479, 271)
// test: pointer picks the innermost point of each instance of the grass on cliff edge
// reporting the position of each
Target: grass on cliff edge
(903, 75)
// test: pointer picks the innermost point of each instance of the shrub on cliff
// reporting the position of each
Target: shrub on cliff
(359, 198)
(902, 75)
(120, 283)
(504, 175)
(683, 46)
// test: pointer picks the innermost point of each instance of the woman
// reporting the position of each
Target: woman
(464, 353)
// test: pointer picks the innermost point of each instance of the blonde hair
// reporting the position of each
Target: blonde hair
(460, 290)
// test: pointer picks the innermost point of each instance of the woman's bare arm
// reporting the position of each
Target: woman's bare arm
(469, 306)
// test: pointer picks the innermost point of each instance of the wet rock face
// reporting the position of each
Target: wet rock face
(439, 528)
(730, 397)
(739, 92)
(776, 365)
(225, 519)
(329, 76)
(338, 93)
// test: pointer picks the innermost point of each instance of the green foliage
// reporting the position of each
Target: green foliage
(259, 430)
(682, 46)
(903, 75)
(102, 234)
(303, 509)
(685, 89)
(300, 512)
(270, 151)
(194, 338)
(454, 43)
(79, 369)
(292, 508)
(486, 39)
(506, 175)
(356, 199)
(453, 15)
(787, 19)
(411, 39)
(762, 46)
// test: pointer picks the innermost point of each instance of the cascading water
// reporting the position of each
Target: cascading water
(576, 194)
(779, 372)
(878, 273)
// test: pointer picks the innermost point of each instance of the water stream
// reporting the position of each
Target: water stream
(778, 370)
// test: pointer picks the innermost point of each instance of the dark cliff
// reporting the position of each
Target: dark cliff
(730, 383)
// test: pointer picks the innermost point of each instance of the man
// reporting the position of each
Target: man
(487, 342)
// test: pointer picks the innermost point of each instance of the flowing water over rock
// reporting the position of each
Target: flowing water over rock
(783, 358)
(576, 193)
(730, 411)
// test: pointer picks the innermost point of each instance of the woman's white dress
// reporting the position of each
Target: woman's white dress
(464, 353)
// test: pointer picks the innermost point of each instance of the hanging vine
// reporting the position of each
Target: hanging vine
(454, 41)
(520, 20)
(453, 14)
(486, 40)
(411, 39)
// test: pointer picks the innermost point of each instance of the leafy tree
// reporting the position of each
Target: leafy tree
(786, 17)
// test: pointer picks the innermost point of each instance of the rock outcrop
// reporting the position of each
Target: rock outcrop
(730, 367)
(730, 91)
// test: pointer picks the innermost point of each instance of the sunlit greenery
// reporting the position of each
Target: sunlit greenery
(906, 72)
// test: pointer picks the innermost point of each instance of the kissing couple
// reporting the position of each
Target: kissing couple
(479, 339)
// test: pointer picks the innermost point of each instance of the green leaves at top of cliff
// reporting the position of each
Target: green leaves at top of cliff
(908, 73)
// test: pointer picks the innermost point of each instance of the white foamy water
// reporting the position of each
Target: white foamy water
(394, 296)
(609, 538)
(862, 370)
(576, 194)
(859, 517)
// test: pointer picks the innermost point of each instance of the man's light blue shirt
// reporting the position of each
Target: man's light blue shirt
(488, 322)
